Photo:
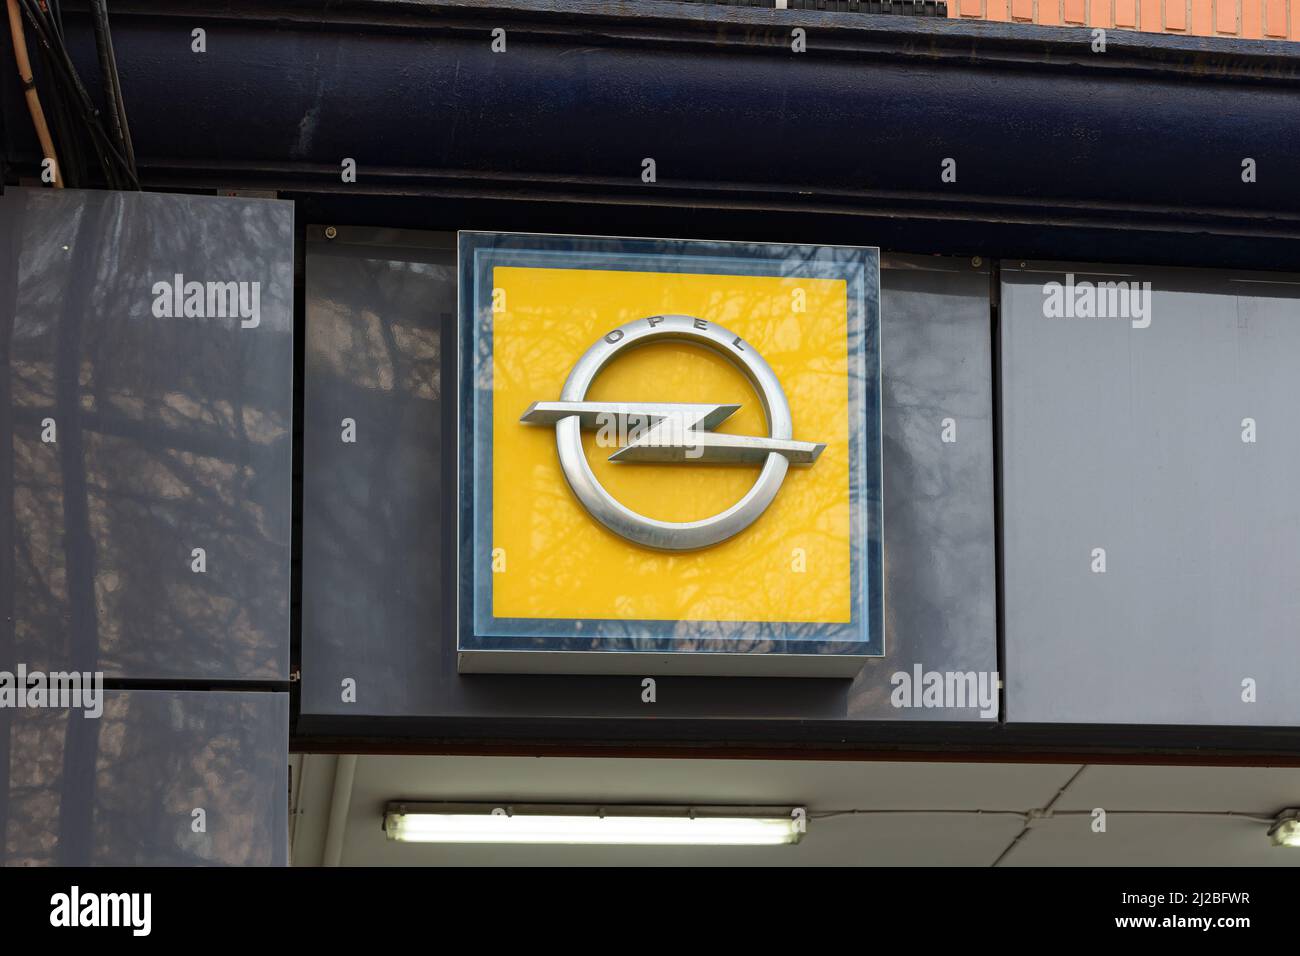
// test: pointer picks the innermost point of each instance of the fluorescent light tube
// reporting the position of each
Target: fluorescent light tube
(1286, 830)
(594, 825)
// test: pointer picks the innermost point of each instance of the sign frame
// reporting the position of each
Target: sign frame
(488, 644)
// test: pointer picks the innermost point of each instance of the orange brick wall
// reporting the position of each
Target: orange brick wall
(1252, 19)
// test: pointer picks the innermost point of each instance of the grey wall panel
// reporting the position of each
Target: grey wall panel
(940, 557)
(170, 433)
(120, 790)
(377, 516)
(1130, 439)
(380, 347)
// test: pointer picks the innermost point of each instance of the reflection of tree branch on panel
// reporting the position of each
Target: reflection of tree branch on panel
(166, 434)
(76, 810)
(8, 536)
(163, 442)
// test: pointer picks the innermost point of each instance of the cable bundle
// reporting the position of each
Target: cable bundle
(80, 138)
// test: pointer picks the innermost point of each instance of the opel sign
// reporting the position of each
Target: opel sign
(673, 432)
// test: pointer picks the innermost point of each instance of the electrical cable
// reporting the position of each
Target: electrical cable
(118, 172)
(80, 108)
(29, 90)
(100, 20)
(66, 84)
(63, 117)
(112, 82)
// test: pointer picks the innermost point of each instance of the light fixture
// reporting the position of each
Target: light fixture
(540, 823)
(1285, 830)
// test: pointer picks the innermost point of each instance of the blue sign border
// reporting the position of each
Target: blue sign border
(480, 630)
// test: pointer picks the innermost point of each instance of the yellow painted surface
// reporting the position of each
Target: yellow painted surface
(560, 562)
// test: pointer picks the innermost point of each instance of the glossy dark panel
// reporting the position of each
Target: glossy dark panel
(940, 558)
(170, 433)
(121, 790)
(1127, 436)
(848, 135)
(377, 522)
(378, 514)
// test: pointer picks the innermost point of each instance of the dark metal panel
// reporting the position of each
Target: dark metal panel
(1142, 144)
(131, 439)
(671, 104)
(1129, 438)
(121, 789)
(940, 560)
(378, 514)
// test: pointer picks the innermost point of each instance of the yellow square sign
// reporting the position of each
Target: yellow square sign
(713, 510)
(792, 564)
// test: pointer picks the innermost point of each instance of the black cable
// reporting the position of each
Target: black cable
(61, 73)
(64, 75)
(112, 84)
(62, 129)
(99, 18)
(117, 171)
(56, 11)
(72, 156)
(128, 146)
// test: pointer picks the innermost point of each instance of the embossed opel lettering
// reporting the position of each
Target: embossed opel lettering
(676, 432)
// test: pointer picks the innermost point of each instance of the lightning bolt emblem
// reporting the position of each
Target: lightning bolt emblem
(670, 431)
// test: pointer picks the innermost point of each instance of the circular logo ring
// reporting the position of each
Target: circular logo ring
(651, 532)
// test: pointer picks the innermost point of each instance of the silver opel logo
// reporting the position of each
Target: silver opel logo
(673, 432)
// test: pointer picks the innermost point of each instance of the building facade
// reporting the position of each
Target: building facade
(1247, 19)
(278, 466)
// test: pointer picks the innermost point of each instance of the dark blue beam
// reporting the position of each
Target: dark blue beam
(1060, 150)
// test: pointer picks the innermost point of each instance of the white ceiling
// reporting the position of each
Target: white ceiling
(1199, 833)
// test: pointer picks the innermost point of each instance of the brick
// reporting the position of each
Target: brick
(1100, 13)
(1022, 9)
(1126, 13)
(1275, 18)
(1151, 15)
(1202, 18)
(972, 8)
(1049, 12)
(1225, 16)
(1074, 11)
(1252, 18)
